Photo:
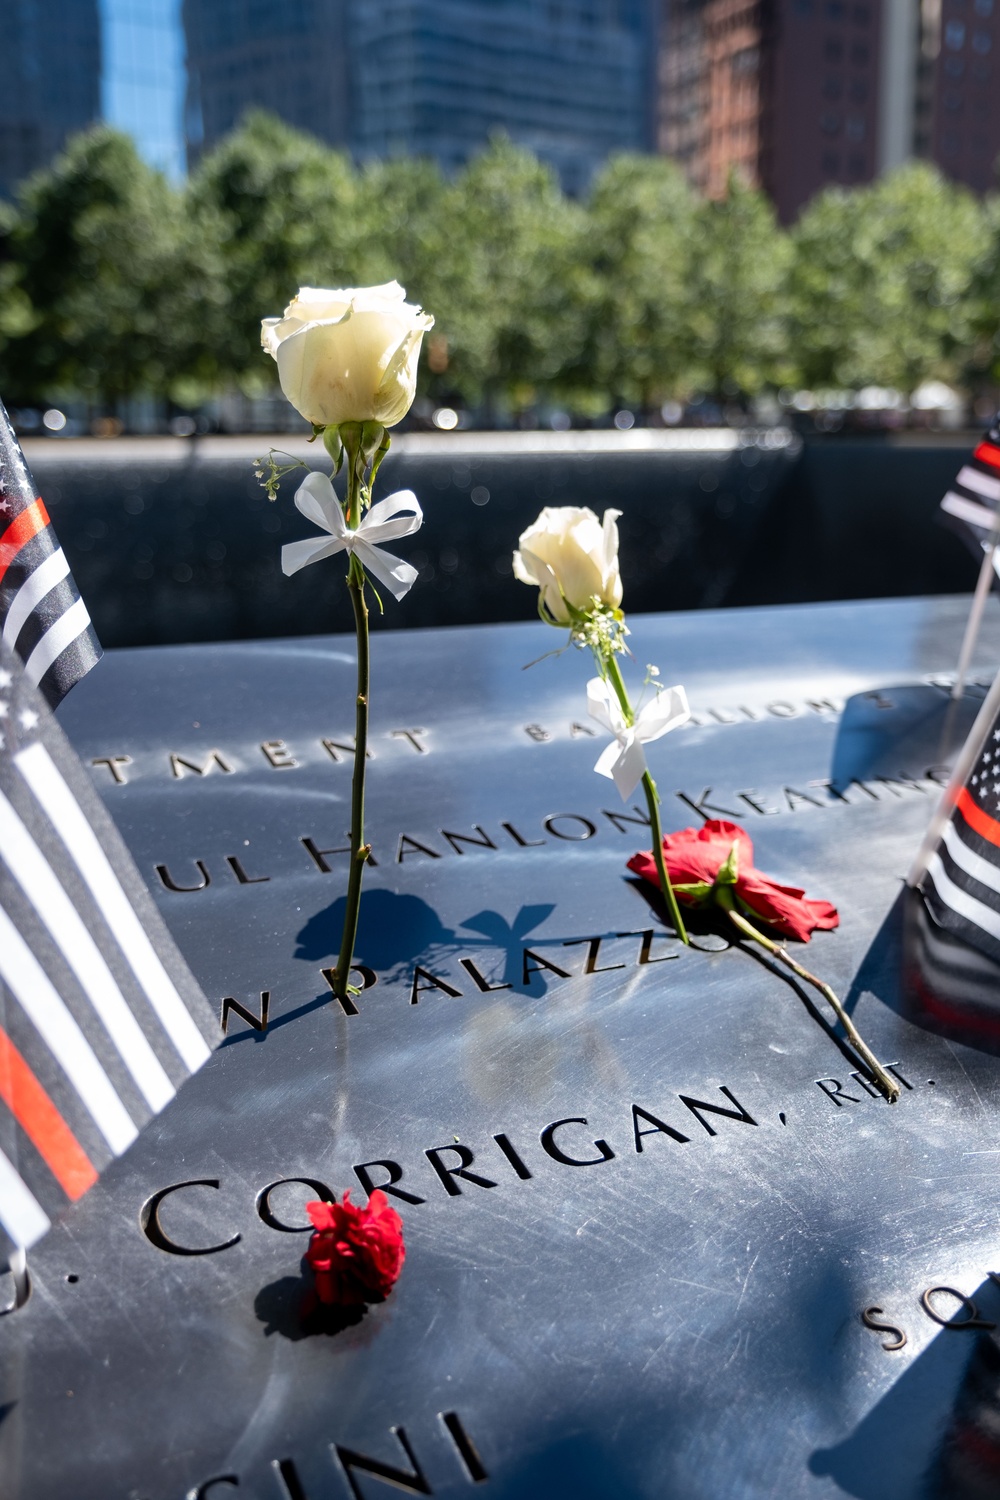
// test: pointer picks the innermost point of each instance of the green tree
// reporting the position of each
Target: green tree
(638, 243)
(882, 282)
(93, 279)
(737, 337)
(981, 370)
(282, 211)
(505, 290)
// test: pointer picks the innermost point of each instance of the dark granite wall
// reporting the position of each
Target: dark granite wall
(168, 551)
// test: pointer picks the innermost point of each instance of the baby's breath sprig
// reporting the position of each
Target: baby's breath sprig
(270, 473)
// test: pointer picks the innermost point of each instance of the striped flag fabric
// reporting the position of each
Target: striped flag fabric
(100, 1019)
(42, 616)
(961, 879)
(972, 505)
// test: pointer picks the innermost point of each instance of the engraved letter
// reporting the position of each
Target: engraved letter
(410, 735)
(589, 829)
(591, 966)
(522, 842)
(539, 963)
(395, 1172)
(482, 983)
(512, 1156)
(202, 1492)
(172, 885)
(114, 764)
(149, 1221)
(466, 1448)
(647, 942)
(412, 1480)
(752, 798)
(430, 982)
(215, 758)
(655, 1126)
(837, 1093)
(557, 1154)
(465, 1159)
(408, 845)
(972, 1321)
(259, 1023)
(703, 807)
(697, 1105)
(616, 819)
(277, 754)
(454, 839)
(868, 1318)
(241, 874)
(262, 1203)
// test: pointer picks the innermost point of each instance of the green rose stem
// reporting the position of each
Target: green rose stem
(888, 1086)
(361, 443)
(613, 670)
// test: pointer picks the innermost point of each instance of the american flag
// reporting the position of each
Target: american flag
(961, 877)
(100, 1019)
(42, 616)
(972, 504)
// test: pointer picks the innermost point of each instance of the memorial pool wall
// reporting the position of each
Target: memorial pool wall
(174, 541)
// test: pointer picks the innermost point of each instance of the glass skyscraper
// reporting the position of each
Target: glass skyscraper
(142, 85)
(568, 78)
(51, 80)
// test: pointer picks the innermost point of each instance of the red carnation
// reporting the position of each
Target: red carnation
(356, 1254)
(704, 862)
(715, 864)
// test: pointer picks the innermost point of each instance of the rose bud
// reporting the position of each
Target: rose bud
(348, 355)
(573, 559)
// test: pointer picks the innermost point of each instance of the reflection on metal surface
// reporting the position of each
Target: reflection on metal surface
(692, 1193)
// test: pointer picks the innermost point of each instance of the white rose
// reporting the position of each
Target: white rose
(572, 558)
(348, 355)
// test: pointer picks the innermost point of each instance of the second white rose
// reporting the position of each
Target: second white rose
(573, 559)
(348, 355)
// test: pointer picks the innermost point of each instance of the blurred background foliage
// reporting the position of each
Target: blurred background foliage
(114, 283)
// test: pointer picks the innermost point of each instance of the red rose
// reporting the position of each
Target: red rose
(356, 1254)
(701, 860)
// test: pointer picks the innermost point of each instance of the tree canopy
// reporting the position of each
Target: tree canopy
(114, 283)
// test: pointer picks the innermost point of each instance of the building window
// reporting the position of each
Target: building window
(984, 7)
(950, 142)
(833, 50)
(855, 129)
(832, 87)
(981, 42)
(953, 102)
(954, 67)
(857, 166)
(954, 35)
(830, 163)
(836, 9)
(859, 90)
(829, 123)
(981, 70)
(862, 15)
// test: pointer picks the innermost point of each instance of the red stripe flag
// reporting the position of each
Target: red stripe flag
(100, 1019)
(42, 617)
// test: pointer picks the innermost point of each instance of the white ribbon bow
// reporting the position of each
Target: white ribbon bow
(317, 500)
(624, 760)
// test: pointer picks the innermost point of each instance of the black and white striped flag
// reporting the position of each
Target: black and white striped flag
(972, 505)
(958, 866)
(100, 1019)
(42, 616)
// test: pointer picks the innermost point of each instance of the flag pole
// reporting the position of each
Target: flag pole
(959, 776)
(976, 612)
